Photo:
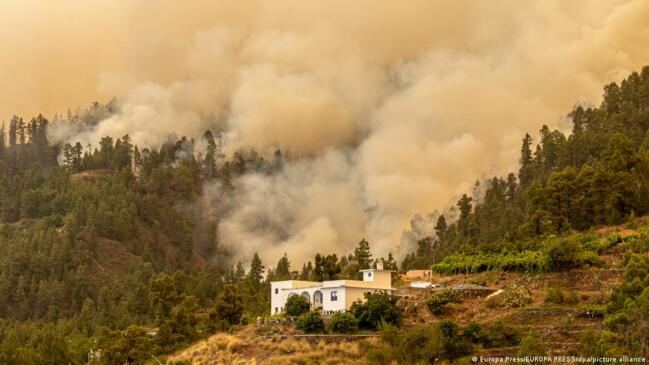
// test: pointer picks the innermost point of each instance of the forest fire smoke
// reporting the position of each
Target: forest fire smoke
(388, 109)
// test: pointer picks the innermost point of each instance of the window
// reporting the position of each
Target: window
(276, 291)
(369, 274)
(334, 296)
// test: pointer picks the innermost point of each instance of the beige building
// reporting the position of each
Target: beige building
(332, 295)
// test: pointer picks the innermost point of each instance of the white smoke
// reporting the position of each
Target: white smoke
(390, 109)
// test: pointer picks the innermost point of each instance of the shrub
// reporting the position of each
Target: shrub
(498, 335)
(473, 332)
(381, 355)
(421, 344)
(593, 311)
(437, 302)
(378, 307)
(310, 322)
(296, 305)
(564, 253)
(531, 345)
(389, 333)
(515, 296)
(343, 322)
(454, 345)
(571, 297)
(554, 296)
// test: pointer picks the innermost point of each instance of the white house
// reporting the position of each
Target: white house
(333, 295)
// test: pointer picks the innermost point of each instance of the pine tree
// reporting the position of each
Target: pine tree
(526, 171)
(228, 306)
(465, 206)
(68, 155)
(2, 141)
(441, 227)
(137, 161)
(363, 255)
(255, 275)
(20, 131)
(318, 272)
(209, 162)
(283, 269)
(511, 187)
(307, 271)
(13, 130)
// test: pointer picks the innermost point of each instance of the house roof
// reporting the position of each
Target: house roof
(339, 284)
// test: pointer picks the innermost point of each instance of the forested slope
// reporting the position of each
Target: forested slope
(98, 245)
(596, 175)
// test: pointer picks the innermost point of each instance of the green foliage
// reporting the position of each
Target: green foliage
(310, 322)
(593, 311)
(515, 296)
(552, 253)
(296, 305)
(598, 175)
(629, 307)
(363, 255)
(437, 302)
(564, 253)
(421, 343)
(228, 307)
(532, 345)
(494, 335)
(104, 246)
(377, 308)
(554, 296)
(454, 344)
(342, 322)
(527, 261)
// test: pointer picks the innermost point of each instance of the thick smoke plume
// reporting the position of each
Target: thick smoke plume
(389, 108)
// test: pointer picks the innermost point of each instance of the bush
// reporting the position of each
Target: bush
(296, 305)
(554, 296)
(593, 311)
(571, 297)
(564, 253)
(497, 335)
(310, 322)
(378, 307)
(515, 296)
(473, 332)
(343, 322)
(381, 355)
(454, 345)
(531, 345)
(437, 302)
(421, 344)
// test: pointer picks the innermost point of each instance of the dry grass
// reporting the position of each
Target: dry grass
(242, 349)
(219, 349)
(300, 352)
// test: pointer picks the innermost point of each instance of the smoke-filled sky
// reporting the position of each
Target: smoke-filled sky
(391, 108)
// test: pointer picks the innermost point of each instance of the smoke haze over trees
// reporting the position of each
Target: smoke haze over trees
(384, 118)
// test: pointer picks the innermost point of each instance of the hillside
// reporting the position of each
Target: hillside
(564, 308)
(103, 246)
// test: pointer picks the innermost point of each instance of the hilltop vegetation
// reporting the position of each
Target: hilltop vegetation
(598, 175)
(98, 247)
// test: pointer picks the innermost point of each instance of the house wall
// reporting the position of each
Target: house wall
(281, 290)
(347, 291)
(333, 306)
(354, 294)
(278, 296)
